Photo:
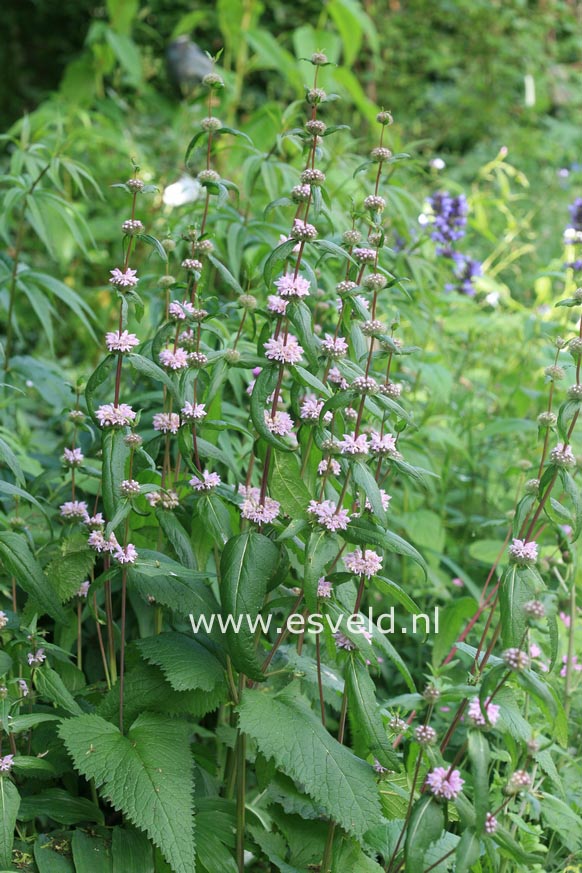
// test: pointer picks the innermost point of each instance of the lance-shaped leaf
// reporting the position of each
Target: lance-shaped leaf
(247, 564)
(518, 586)
(364, 533)
(115, 456)
(300, 317)
(369, 489)
(365, 715)
(148, 368)
(479, 755)
(425, 827)
(22, 564)
(96, 379)
(322, 548)
(288, 487)
(9, 803)
(147, 775)
(287, 730)
(467, 852)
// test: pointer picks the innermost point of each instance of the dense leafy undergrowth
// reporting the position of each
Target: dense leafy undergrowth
(307, 403)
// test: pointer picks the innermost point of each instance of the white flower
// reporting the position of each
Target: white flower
(120, 342)
(180, 311)
(281, 423)
(193, 411)
(292, 286)
(126, 555)
(329, 464)
(166, 422)
(365, 563)
(476, 716)
(115, 416)
(354, 445)
(74, 509)
(384, 444)
(286, 350)
(98, 542)
(73, 457)
(324, 587)
(254, 510)
(277, 304)
(521, 552)
(336, 378)
(205, 481)
(334, 347)
(329, 515)
(174, 360)
(125, 279)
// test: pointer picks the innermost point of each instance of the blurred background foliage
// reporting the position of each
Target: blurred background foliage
(487, 100)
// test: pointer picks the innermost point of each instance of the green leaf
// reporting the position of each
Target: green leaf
(9, 805)
(30, 765)
(15, 491)
(549, 703)
(287, 730)
(49, 685)
(264, 386)
(508, 842)
(5, 663)
(26, 722)
(559, 816)
(398, 593)
(155, 244)
(300, 317)
(331, 248)
(147, 688)
(68, 570)
(96, 379)
(468, 851)
(60, 806)
(69, 297)
(479, 755)
(177, 536)
(368, 485)
(127, 55)
(277, 256)
(226, 274)
(132, 853)
(23, 565)
(91, 853)
(575, 494)
(288, 487)
(169, 583)
(115, 457)
(365, 714)
(247, 564)
(184, 661)
(122, 14)
(517, 587)
(48, 860)
(9, 458)
(309, 380)
(425, 827)
(452, 619)
(148, 368)
(364, 533)
(146, 775)
(215, 518)
(322, 548)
